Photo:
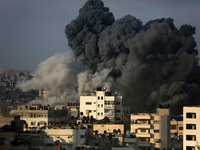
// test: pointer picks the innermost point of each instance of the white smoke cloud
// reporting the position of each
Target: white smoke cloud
(88, 81)
(57, 76)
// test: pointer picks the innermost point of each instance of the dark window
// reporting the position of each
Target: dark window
(118, 111)
(101, 97)
(191, 115)
(143, 130)
(88, 103)
(157, 140)
(191, 126)
(191, 137)
(156, 131)
(82, 136)
(118, 103)
(98, 97)
(190, 148)
(180, 128)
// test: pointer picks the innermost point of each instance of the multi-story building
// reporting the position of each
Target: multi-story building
(39, 116)
(191, 128)
(101, 104)
(152, 129)
(176, 131)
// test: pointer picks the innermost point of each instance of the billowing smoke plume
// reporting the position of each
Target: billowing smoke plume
(57, 76)
(148, 63)
(151, 63)
(63, 80)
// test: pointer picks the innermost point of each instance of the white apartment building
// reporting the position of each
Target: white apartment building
(191, 128)
(101, 104)
(152, 129)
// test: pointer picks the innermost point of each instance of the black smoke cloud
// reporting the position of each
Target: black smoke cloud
(151, 63)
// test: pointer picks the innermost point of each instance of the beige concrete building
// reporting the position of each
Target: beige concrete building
(109, 128)
(152, 129)
(39, 116)
(68, 138)
(191, 128)
(101, 104)
(176, 129)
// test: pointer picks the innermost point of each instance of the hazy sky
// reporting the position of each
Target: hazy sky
(33, 30)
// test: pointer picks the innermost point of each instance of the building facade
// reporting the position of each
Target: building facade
(191, 128)
(101, 104)
(152, 129)
(176, 130)
(39, 116)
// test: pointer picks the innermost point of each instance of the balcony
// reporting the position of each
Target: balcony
(141, 126)
(143, 135)
(141, 116)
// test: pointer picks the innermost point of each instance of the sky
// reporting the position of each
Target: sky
(33, 30)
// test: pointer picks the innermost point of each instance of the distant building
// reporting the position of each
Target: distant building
(101, 104)
(39, 116)
(108, 128)
(152, 129)
(68, 138)
(176, 130)
(191, 130)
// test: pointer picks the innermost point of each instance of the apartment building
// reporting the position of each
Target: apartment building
(101, 104)
(176, 129)
(191, 128)
(68, 138)
(152, 129)
(39, 116)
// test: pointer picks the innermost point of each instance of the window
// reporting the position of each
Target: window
(94, 110)
(143, 130)
(118, 103)
(190, 148)
(101, 105)
(190, 115)
(191, 137)
(102, 114)
(180, 128)
(88, 103)
(156, 131)
(156, 122)
(118, 111)
(173, 126)
(90, 111)
(157, 140)
(98, 97)
(98, 114)
(191, 126)
(101, 97)
(82, 136)
(98, 105)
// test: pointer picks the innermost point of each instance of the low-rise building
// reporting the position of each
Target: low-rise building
(39, 116)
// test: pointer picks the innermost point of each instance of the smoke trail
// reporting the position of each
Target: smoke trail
(143, 58)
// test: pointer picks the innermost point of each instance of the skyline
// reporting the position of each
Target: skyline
(32, 31)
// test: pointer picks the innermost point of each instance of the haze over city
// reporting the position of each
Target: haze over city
(31, 31)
